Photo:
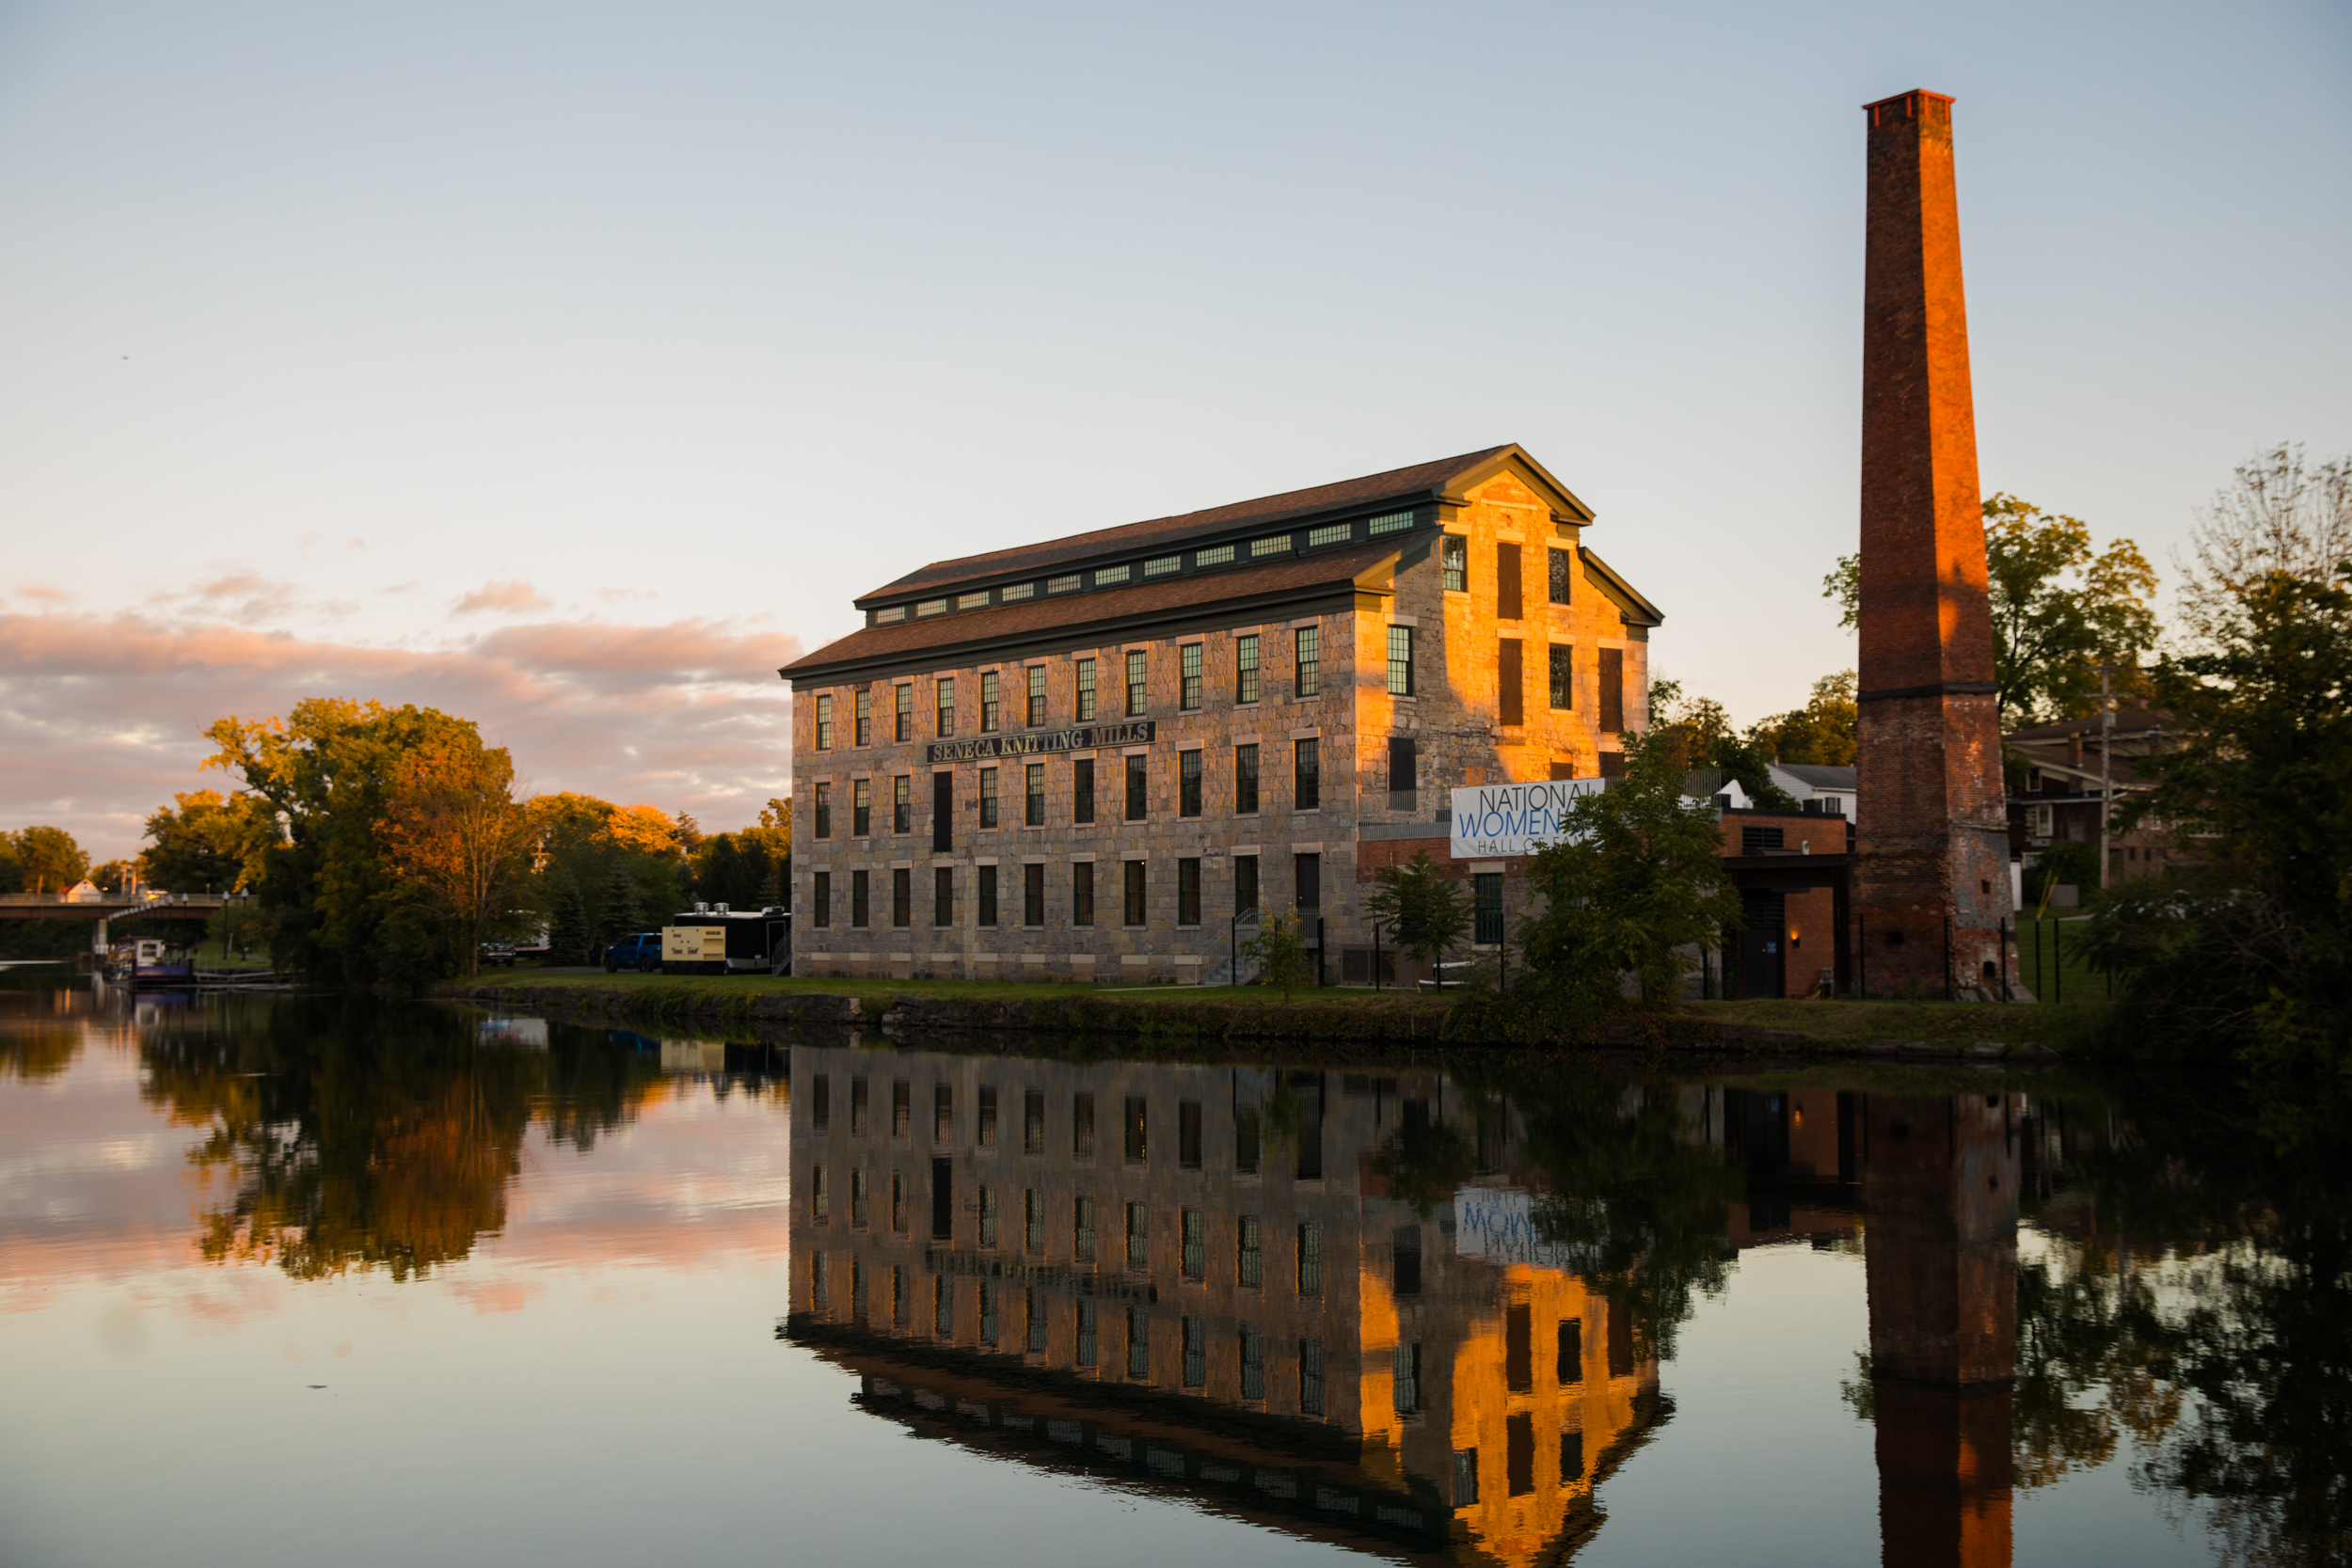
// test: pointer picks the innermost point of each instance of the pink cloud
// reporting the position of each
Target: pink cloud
(101, 717)
(502, 595)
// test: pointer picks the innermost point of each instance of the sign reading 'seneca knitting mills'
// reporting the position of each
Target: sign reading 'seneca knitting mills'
(1084, 737)
(1494, 820)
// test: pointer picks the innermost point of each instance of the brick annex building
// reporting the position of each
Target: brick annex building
(1080, 759)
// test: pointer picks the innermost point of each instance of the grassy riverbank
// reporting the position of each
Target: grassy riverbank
(1241, 1013)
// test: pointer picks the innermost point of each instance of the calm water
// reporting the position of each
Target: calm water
(297, 1281)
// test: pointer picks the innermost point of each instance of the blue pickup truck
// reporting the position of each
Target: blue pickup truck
(642, 952)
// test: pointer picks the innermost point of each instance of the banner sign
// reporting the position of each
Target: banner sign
(1494, 820)
(1085, 738)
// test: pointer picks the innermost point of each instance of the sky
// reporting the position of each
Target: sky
(570, 368)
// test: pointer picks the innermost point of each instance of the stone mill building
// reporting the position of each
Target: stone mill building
(1082, 758)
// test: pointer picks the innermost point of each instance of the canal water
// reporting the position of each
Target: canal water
(304, 1280)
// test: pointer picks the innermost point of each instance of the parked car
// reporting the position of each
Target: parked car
(498, 954)
(640, 951)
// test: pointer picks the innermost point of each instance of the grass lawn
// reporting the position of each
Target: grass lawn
(2058, 965)
(1855, 1025)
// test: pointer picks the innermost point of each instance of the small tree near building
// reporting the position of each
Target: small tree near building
(1427, 913)
(1279, 951)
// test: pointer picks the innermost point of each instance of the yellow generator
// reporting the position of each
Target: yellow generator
(711, 939)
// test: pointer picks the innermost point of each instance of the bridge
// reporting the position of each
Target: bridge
(100, 907)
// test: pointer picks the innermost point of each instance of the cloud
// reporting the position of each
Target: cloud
(503, 596)
(41, 592)
(101, 716)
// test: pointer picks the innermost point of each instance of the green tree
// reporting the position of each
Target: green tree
(1823, 731)
(2255, 955)
(453, 838)
(2061, 608)
(1636, 877)
(1279, 951)
(200, 843)
(46, 860)
(1427, 913)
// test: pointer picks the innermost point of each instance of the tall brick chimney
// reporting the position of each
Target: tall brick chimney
(1931, 864)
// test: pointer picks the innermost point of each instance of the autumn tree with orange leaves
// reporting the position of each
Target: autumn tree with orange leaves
(454, 838)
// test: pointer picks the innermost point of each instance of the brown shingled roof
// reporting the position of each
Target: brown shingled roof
(1115, 611)
(1419, 482)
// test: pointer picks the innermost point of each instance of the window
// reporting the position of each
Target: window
(1138, 1237)
(1062, 584)
(1189, 694)
(860, 1198)
(1188, 892)
(866, 718)
(860, 907)
(1082, 1126)
(1188, 1135)
(1245, 884)
(902, 713)
(1081, 1232)
(1391, 522)
(990, 706)
(1571, 1458)
(1562, 564)
(1138, 1341)
(1032, 1121)
(1404, 772)
(1309, 869)
(932, 607)
(1563, 677)
(1405, 1253)
(819, 1296)
(1035, 1315)
(902, 897)
(988, 1218)
(987, 1131)
(1246, 668)
(1136, 683)
(1465, 1477)
(1306, 775)
(897, 1200)
(1086, 691)
(943, 1306)
(1330, 533)
(820, 898)
(1487, 908)
(1033, 811)
(1106, 575)
(860, 1097)
(1082, 893)
(1082, 790)
(1406, 1384)
(1510, 683)
(1250, 1255)
(1307, 644)
(1310, 1377)
(1612, 690)
(1133, 1127)
(1013, 592)
(1196, 1354)
(1216, 555)
(1507, 605)
(1519, 1348)
(1518, 1453)
(1455, 560)
(988, 894)
(1037, 696)
(1245, 1140)
(1160, 566)
(991, 1292)
(1278, 545)
(1400, 661)
(944, 895)
(1569, 1367)
(943, 1112)
(1135, 782)
(1033, 894)
(1188, 783)
(1033, 1220)
(819, 1201)
(1085, 1333)
(861, 808)
(1245, 780)
(942, 811)
(2042, 816)
(902, 803)
(824, 723)
(1135, 893)
(902, 1108)
(978, 600)
(943, 696)
(987, 797)
(824, 811)
(1252, 1364)
(821, 1102)
(1309, 1259)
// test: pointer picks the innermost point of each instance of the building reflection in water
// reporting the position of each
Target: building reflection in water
(1199, 1280)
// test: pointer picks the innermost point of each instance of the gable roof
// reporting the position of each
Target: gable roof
(1443, 479)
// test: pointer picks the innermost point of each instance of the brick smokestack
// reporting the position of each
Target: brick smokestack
(1932, 873)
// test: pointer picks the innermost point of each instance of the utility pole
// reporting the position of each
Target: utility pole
(2107, 775)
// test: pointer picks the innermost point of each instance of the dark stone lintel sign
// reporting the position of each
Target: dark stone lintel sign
(1084, 737)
